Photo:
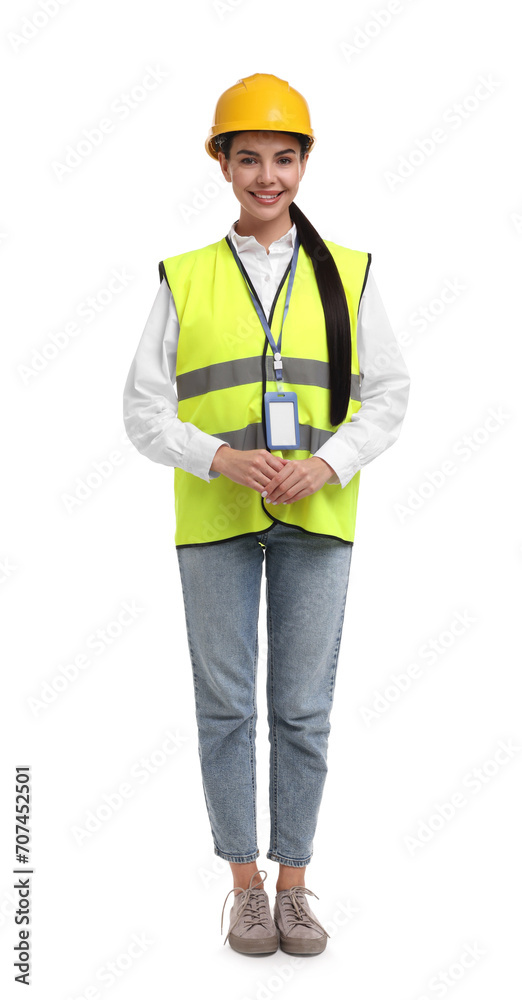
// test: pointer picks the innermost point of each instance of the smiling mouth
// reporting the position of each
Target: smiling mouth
(266, 199)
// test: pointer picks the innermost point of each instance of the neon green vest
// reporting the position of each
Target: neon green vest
(225, 365)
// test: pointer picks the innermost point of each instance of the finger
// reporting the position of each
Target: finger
(263, 483)
(277, 492)
(273, 488)
(298, 496)
(275, 463)
(293, 490)
(264, 480)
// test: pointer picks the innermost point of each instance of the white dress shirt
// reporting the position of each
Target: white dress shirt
(150, 402)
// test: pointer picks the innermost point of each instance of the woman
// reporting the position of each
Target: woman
(272, 336)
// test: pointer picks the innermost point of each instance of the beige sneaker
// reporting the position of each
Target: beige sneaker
(252, 930)
(300, 933)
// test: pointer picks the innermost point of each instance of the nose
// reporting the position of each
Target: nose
(265, 175)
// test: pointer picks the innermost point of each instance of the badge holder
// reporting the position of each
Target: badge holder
(282, 420)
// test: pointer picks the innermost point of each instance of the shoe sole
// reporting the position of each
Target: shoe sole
(257, 946)
(299, 946)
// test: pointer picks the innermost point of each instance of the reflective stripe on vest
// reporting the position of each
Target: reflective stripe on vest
(224, 365)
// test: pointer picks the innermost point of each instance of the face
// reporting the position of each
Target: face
(264, 163)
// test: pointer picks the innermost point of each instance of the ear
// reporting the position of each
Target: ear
(224, 166)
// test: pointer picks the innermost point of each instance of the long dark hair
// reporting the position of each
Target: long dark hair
(333, 298)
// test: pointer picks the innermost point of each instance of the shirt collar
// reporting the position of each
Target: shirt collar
(242, 243)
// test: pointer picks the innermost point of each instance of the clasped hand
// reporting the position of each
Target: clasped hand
(298, 479)
(279, 480)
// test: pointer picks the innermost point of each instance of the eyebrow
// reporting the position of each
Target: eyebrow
(252, 152)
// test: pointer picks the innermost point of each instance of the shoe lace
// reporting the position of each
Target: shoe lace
(253, 905)
(291, 905)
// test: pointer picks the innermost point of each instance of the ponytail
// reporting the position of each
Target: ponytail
(336, 315)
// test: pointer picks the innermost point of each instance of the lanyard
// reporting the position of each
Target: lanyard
(278, 364)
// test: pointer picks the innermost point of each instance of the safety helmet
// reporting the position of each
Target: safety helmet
(261, 102)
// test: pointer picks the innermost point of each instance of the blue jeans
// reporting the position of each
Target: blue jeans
(306, 587)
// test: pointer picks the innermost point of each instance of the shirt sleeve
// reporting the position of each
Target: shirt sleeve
(384, 394)
(150, 402)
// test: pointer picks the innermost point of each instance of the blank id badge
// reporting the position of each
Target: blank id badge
(282, 420)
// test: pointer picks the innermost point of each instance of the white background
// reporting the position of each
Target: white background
(400, 918)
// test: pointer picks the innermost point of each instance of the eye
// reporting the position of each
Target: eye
(250, 159)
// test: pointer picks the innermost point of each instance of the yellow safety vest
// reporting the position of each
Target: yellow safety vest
(225, 365)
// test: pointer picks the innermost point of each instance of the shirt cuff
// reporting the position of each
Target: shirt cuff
(200, 455)
(334, 453)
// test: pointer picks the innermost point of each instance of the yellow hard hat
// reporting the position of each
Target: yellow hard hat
(261, 102)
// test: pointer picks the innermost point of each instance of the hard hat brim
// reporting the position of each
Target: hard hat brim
(248, 127)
